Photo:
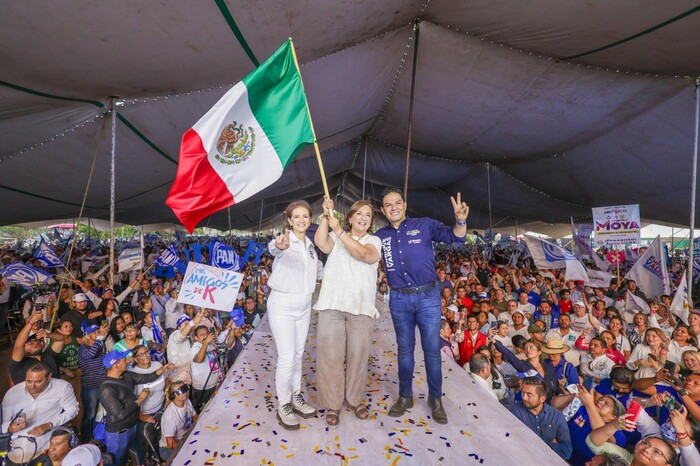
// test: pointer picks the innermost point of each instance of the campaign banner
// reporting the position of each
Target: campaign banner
(130, 259)
(210, 287)
(585, 230)
(617, 224)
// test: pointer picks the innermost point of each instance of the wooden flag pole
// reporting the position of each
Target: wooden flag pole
(313, 131)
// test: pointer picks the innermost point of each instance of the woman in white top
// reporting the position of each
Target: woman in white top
(648, 357)
(683, 340)
(294, 273)
(346, 308)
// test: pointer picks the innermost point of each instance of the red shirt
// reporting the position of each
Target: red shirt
(565, 306)
(466, 302)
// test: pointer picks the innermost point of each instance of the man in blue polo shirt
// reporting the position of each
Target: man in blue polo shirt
(407, 248)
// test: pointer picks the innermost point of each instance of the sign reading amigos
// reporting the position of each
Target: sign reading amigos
(616, 224)
(210, 287)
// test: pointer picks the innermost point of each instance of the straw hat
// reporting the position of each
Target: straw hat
(554, 346)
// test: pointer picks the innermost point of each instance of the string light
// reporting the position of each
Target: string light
(563, 62)
(101, 113)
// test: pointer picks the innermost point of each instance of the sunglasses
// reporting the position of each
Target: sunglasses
(181, 390)
(141, 355)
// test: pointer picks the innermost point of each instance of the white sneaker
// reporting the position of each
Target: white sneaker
(286, 417)
(301, 407)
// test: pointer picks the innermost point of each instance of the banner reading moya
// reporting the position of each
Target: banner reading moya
(616, 224)
(210, 287)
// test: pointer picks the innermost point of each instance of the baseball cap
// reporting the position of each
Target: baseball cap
(237, 316)
(519, 312)
(108, 289)
(579, 303)
(182, 320)
(453, 308)
(113, 356)
(483, 295)
(84, 455)
(241, 295)
(157, 283)
(79, 297)
(534, 328)
(90, 328)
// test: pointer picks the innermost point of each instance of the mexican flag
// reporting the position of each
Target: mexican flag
(244, 142)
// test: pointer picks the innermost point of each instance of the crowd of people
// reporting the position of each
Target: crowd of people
(597, 378)
(116, 374)
(573, 362)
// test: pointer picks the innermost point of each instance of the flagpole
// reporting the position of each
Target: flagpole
(692, 191)
(313, 131)
(112, 191)
(416, 28)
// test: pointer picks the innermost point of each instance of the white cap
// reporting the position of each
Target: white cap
(84, 455)
(241, 295)
(579, 303)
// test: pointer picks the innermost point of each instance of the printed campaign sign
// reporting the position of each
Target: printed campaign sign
(585, 230)
(616, 224)
(210, 287)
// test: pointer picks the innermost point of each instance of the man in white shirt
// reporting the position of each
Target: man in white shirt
(518, 327)
(480, 371)
(580, 319)
(525, 306)
(568, 337)
(33, 408)
(595, 363)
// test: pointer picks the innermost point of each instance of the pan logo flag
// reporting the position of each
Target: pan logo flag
(244, 142)
(24, 275)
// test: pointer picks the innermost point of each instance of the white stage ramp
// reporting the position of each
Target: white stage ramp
(239, 425)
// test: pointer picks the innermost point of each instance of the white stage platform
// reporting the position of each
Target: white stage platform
(239, 425)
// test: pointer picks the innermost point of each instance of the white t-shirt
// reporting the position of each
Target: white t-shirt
(523, 331)
(201, 370)
(175, 422)
(579, 324)
(154, 402)
(179, 349)
(349, 285)
(505, 341)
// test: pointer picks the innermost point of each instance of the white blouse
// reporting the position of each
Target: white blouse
(349, 285)
(295, 269)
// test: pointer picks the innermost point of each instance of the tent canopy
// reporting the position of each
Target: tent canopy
(591, 104)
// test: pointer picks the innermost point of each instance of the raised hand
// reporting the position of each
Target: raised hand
(327, 204)
(461, 208)
(282, 241)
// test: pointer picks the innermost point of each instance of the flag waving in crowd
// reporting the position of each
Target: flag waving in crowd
(550, 256)
(46, 255)
(243, 143)
(650, 271)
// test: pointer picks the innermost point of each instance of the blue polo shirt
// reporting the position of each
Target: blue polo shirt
(548, 425)
(408, 250)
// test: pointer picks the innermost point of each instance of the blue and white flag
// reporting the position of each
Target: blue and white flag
(157, 336)
(24, 275)
(680, 305)
(254, 249)
(650, 271)
(550, 256)
(47, 257)
(171, 258)
(223, 256)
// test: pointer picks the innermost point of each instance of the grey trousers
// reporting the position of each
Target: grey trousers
(343, 343)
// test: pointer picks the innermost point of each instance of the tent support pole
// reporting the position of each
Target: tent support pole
(416, 28)
(364, 170)
(488, 185)
(230, 241)
(692, 190)
(261, 213)
(112, 190)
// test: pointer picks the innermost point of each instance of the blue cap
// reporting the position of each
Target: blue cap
(182, 320)
(237, 316)
(90, 328)
(113, 357)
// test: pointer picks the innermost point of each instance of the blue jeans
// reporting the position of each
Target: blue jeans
(90, 401)
(118, 444)
(424, 310)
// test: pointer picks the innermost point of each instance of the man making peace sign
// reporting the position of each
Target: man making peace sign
(407, 248)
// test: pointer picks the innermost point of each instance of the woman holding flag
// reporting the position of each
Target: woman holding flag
(347, 309)
(294, 273)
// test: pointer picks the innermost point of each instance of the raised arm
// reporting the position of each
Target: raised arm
(321, 237)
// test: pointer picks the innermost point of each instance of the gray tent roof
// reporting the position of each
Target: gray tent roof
(573, 104)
